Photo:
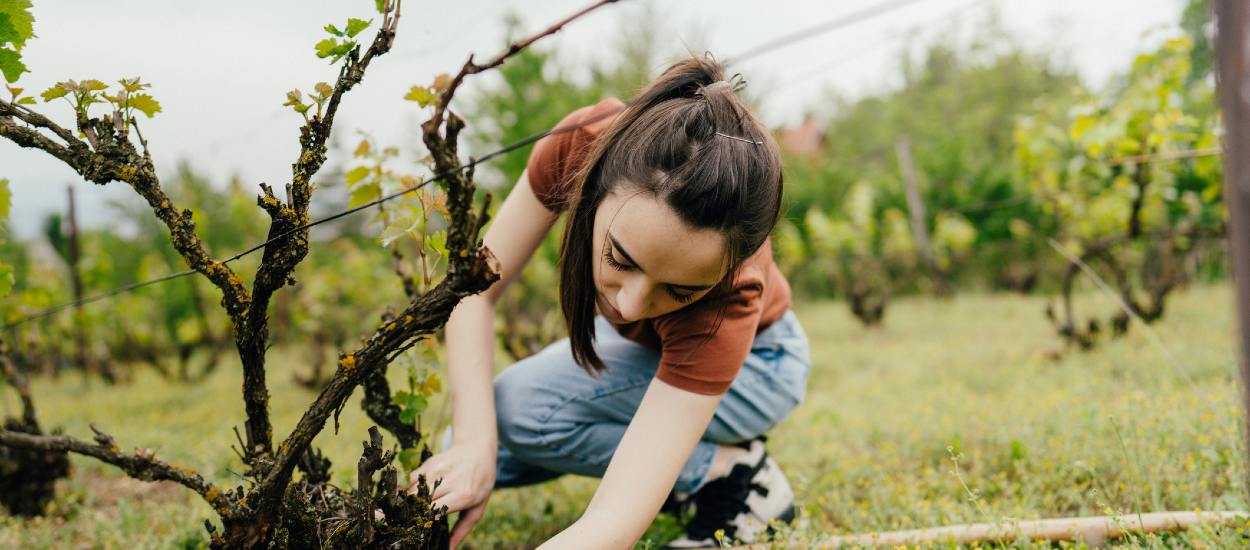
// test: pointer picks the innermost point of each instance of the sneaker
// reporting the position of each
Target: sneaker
(741, 505)
(676, 503)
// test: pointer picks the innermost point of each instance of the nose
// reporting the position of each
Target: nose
(633, 300)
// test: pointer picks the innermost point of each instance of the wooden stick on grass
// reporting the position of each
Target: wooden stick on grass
(1093, 531)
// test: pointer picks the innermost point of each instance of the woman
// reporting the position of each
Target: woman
(682, 350)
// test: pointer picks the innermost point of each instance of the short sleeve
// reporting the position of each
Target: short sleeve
(703, 354)
(559, 155)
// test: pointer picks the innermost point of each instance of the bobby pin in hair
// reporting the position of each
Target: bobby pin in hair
(740, 139)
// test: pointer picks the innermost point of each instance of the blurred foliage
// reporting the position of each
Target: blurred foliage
(1196, 21)
(848, 228)
(1110, 173)
(1010, 151)
(1009, 148)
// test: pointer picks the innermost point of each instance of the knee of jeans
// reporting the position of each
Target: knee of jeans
(518, 407)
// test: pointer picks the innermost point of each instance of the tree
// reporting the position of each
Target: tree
(1128, 180)
(275, 507)
(956, 107)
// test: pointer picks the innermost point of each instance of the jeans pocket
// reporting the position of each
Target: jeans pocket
(785, 365)
(771, 353)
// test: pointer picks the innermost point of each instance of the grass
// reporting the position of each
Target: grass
(873, 448)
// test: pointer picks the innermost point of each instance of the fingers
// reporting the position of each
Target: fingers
(455, 502)
(468, 519)
(441, 488)
(432, 477)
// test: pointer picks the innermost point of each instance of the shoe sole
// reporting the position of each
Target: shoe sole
(786, 517)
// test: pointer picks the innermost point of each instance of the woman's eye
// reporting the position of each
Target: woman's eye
(607, 257)
(680, 297)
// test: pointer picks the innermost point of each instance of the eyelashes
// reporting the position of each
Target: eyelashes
(682, 298)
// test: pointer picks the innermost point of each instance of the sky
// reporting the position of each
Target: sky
(221, 69)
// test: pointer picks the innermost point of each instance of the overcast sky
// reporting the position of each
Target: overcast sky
(220, 69)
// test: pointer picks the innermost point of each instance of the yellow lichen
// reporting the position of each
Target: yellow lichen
(348, 362)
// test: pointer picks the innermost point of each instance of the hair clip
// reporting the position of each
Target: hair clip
(740, 139)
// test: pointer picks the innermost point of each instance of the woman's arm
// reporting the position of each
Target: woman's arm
(656, 446)
(518, 228)
(467, 468)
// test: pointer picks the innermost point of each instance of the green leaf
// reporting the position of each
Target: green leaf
(6, 279)
(132, 84)
(356, 174)
(380, 5)
(145, 103)
(333, 30)
(431, 385)
(334, 49)
(400, 398)
(437, 242)
(417, 403)
(17, 19)
(93, 85)
(6, 198)
(354, 26)
(364, 195)
(408, 416)
(8, 33)
(393, 232)
(57, 90)
(325, 48)
(26, 101)
(11, 65)
(420, 94)
(410, 459)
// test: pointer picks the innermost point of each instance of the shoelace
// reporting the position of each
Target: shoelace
(720, 501)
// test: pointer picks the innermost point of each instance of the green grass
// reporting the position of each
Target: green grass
(1118, 429)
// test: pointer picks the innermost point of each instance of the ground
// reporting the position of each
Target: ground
(1118, 429)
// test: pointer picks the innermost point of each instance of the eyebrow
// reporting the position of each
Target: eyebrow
(621, 249)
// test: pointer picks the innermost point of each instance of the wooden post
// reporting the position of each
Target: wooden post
(75, 277)
(1233, 65)
(919, 225)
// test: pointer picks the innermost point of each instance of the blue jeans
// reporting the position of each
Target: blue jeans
(554, 418)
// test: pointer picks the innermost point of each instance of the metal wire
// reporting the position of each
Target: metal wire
(828, 26)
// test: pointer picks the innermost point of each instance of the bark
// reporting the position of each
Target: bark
(27, 475)
(275, 509)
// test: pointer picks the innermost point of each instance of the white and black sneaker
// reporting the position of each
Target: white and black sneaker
(742, 504)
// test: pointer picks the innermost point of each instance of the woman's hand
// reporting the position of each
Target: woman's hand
(468, 476)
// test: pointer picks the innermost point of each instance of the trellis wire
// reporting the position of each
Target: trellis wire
(831, 25)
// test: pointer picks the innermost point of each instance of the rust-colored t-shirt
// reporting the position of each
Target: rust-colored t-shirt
(695, 354)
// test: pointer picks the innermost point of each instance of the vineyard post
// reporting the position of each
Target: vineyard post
(915, 205)
(1233, 59)
(75, 274)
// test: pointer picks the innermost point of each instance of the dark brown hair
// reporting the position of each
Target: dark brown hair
(689, 140)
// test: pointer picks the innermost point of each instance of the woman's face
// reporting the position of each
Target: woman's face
(649, 261)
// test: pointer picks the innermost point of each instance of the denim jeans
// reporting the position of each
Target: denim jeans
(554, 418)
